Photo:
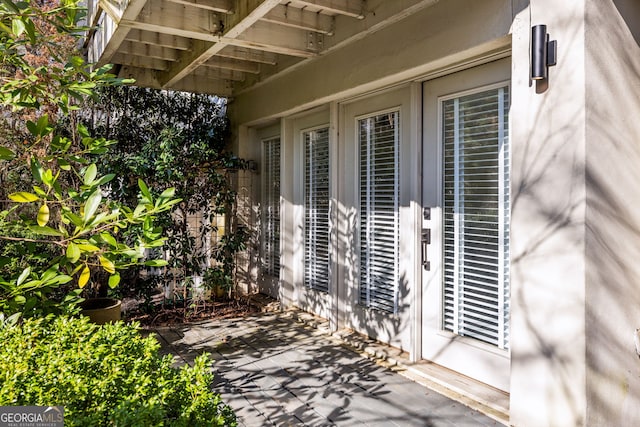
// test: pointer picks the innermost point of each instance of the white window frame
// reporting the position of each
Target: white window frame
(271, 227)
(367, 300)
(503, 218)
(323, 284)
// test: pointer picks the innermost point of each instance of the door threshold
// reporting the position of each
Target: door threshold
(491, 401)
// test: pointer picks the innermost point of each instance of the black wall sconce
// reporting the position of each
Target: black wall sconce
(543, 52)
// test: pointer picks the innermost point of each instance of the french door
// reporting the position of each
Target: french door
(465, 222)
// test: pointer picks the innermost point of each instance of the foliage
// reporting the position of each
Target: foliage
(174, 139)
(57, 199)
(62, 362)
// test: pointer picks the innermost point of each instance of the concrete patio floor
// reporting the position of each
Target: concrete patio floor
(276, 370)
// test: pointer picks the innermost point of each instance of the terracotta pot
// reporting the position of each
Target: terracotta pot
(102, 310)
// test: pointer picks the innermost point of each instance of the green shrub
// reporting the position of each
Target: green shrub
(104, 375)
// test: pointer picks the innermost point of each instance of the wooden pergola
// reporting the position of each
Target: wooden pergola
(225, 46)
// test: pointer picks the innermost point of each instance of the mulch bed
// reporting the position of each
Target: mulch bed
(165, 314)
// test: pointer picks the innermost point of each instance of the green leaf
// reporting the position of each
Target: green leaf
(168, 193)
(64, 165)
(45, 231)
(156, 263)
(23, 197)
(107, 264)
(17, 26)
(114, 280)
(43, 215)
(92, 205)
(43, 123)
(104, 179)
(6, 154)
(25, 273)
(11, 5)
(32, 127)
(145, 191)
(88, 247)
(73, 252)
(36, 169)
(109, 239)
(84, 277)
(90, 174)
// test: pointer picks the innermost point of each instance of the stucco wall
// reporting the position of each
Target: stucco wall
(547, 225)
(613, 215)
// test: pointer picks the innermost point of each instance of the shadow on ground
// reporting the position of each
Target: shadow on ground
(275, 371)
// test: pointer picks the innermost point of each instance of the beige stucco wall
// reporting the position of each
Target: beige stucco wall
(612, 176)
(547, 225)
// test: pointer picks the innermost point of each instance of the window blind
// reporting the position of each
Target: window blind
(271, 226)
(379, 140)
(317, 237)
(476, 216)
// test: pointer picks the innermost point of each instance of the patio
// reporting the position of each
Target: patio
(275, 369)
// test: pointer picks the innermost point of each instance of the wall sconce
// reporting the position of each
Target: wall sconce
(543, 52)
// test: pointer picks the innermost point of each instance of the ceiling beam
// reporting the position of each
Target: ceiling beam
(244, 54)
(219, 73)
(223, 6)
(199, 84)
(247, 14)
(150, 51)
(352, 8)
(158, 39)
(140, 62)
(116, 12)
(278, 39)
(232, 64)
(300, 18)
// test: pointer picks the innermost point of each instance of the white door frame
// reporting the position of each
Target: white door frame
(468, 356)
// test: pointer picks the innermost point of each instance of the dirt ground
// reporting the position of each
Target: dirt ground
(169, 313)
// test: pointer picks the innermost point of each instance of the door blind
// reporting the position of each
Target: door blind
(316, 220)
(271, 226)
(476, 216)
(379, 140)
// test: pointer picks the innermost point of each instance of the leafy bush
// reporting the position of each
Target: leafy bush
(104, 375)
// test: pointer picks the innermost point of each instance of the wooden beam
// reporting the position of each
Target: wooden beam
(143, 77)
(219, 74)
(198, 84)
(140, 62)
(244, 54)
(158, 39)
(300, 18)
(223, 6)
(126, 10)
(244, 17)
(148, 51)
(278, 39)
(231, 64)
(352, 8)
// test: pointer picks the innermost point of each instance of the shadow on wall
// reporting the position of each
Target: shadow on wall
(248, 215)
(629, 10)
(610, 227)
(613, 218)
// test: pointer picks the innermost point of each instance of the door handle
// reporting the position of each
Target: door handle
(426, 240)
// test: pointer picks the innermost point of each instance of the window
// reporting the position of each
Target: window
(271, 225)
(316, 204)
(476, 216)
(379, 138)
